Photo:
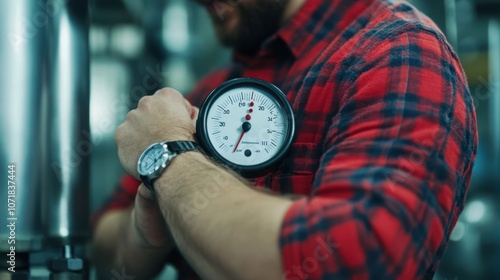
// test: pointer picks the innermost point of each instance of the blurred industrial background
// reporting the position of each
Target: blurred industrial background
(138, 46)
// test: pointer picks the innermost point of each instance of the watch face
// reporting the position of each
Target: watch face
(152, 159)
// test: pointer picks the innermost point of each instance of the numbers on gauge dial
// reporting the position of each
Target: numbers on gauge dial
(152, 159)
(246, 126)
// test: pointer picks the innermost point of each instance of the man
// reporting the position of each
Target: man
(372, 185)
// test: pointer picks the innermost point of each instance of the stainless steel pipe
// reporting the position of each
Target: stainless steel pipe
(22, 29)
(66, 194)
(44, 120)
(494, 81)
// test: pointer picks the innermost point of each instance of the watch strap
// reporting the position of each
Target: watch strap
(179, 147)
(148, 183)
(176, 147)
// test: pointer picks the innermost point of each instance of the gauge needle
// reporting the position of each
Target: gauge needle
(239, 140)
(244, 127)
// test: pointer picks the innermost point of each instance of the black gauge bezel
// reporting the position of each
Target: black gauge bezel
(274, 91)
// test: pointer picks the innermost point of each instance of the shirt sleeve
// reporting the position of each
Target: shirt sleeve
(395, 169)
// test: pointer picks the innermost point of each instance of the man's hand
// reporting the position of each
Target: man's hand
(148, 222)
(136, 238)
(164, 116)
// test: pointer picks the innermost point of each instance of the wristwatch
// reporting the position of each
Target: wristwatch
(156, 158)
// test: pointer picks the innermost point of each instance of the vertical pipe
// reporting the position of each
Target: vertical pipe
(494, 81)
(451, 22)
(66, 193)
(22, 26)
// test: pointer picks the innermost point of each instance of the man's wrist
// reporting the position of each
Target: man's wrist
(170, 150)
(182, 162)
(180, 166)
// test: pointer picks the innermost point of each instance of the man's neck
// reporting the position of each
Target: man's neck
(291, 9)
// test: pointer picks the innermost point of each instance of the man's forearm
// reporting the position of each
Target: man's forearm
(118, 247)
(225, 229)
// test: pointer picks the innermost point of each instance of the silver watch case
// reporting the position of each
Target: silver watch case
(167, 157)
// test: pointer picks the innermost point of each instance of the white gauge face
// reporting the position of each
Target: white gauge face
(151, 160)
(246, 126)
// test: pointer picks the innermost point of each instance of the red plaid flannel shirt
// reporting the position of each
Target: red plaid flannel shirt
(385, 145)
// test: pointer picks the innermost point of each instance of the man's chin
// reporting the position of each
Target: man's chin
(220, 9)
(227, 29)
(226, 38)
(244, 27)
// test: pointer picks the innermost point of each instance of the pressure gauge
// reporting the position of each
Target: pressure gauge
(247, 124)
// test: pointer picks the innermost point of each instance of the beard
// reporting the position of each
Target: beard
(244, 24)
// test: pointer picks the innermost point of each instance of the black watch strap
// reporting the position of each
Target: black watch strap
(179, 147)
(148, 184)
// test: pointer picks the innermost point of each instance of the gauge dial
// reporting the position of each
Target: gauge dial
(247, 124)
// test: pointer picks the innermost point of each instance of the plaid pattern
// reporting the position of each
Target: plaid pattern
(385, 145)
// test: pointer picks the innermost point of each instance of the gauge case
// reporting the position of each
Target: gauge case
(203, 138)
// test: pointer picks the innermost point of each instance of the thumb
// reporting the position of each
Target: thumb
(148, 219)
(194, 115)
(192, 110)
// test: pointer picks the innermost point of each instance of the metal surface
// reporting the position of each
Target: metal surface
(22, 26)
(451, 22)
(494, 58)
(66, 192)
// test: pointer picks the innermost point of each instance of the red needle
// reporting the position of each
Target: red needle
(246, 126)
(239, 140)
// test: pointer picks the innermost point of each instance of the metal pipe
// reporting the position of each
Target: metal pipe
(22, 26)
(66, 194)
(451, 22)
(494, 81)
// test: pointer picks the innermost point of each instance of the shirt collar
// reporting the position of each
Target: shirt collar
(320, 20)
